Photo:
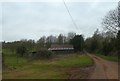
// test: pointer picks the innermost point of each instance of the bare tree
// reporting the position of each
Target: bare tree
(50, 40)
(41, 42)
(119, 14)
(111, 20)
(71, 35)
(60, 39)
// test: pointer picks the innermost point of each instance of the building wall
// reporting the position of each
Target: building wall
(63, 51)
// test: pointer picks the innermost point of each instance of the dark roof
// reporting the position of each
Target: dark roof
(61, 47)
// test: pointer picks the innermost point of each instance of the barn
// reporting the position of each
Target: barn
(61, 48)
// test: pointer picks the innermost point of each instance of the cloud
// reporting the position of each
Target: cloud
(0, 21)
(59, 0)
(33, 20)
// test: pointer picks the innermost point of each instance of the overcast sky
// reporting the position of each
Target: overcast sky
(31, 20)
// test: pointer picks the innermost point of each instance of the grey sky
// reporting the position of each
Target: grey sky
(31, 20)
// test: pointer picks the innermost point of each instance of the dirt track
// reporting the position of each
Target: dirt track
(104, 69)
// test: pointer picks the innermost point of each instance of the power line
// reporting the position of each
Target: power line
(70, 15)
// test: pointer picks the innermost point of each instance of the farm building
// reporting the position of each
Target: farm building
(64, 48)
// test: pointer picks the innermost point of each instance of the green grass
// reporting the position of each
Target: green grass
(110, 58)
(43, 69)
(82, 61)
(11, 60)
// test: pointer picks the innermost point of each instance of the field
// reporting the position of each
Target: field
(55, 68)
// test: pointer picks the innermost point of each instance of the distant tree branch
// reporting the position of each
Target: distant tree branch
(111, 20)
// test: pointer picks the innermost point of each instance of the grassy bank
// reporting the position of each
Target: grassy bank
(45, 69)
(110, 58)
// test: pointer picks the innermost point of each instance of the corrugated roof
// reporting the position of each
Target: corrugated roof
(61, 47)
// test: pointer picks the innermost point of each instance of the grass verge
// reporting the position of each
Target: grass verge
(110, 58)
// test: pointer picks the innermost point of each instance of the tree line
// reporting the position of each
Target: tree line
(106, 42)
(42, 42)
(32, 49)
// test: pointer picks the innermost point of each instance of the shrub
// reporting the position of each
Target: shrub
(21, 50)
(42, 54)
